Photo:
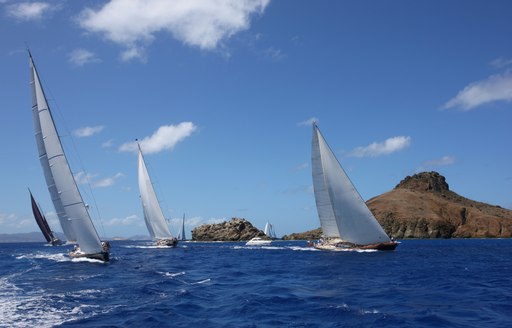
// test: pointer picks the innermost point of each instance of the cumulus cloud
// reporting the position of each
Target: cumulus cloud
(386, 147)
(308, 122)
(166, 137)
(107, 144)
(88, 178)
(443, 161)
(88, 131)
(198, 23)
(495, 88)
(127, 221)
(80, 57)
(27, 11)
(501, 62)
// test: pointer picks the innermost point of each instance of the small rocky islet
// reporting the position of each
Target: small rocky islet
(420, 206)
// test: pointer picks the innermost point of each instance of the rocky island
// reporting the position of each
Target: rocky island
(236, 229)
(423, 206)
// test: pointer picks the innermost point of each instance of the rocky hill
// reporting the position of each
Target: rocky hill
(236, 229)
(423, 206)
(308, 235)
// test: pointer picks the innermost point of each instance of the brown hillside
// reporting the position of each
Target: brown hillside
(422, 206)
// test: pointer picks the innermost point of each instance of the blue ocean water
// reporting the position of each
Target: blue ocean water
(424, 283)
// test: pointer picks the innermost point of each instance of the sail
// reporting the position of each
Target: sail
(67, 200)
(341, 209)
(153, 215)
(269, 230)
(182, 233)
(41, 220)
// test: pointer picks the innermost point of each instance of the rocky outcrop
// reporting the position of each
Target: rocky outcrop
(308, 235)
(423, 206)
(236, 229)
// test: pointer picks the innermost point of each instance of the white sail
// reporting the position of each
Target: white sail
(341, 209)
(67, 200)
(153, 215)
(269, 230)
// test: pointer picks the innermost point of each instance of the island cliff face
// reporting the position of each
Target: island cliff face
(423, 206)
(236, 229)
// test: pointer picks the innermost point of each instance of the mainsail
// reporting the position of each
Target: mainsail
(153, 215)
(67, 200)
(342, 211)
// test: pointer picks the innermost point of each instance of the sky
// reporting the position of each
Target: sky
(221, 95)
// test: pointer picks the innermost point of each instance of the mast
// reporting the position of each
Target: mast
(341, 209)
(67, 200)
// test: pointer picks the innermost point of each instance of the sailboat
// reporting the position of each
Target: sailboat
(48, 234)
(345, 219)
(181, 235)
(67, 200)
(153, 215)
(269, 230)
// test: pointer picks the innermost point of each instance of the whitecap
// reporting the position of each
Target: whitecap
(170, 274)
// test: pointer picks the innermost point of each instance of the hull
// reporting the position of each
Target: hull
(57, 242)
(340, 246)
(258, 242)
(167, 242)
(102, 256)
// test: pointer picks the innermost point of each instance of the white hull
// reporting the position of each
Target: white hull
(257, 241)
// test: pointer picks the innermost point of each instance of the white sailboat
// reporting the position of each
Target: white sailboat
(67, 200)
(345, 219)
(269, 230)
(153, 215)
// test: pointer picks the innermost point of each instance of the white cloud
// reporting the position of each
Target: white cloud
(127, 221)
(80, 57)
(27, 11)
(82, 178)
(274, 54)
(199, 23)
(107, 144)
(501, 62)
(494, 88)
(443, 161)
(88, 131)
(386, 147)
(308, 122)
(134, 53)
(107, 182)
(166, 137)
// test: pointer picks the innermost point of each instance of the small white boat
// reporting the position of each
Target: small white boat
(257, 241)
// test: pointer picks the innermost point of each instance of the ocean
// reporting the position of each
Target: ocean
(424, 283)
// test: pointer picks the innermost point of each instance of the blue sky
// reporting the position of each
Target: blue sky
(221, 94)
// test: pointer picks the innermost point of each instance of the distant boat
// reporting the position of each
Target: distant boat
(181, 235)
(345, 219)
(67, 200)
(258, 241)
(269, 230)
(153, 215)
(48, 234)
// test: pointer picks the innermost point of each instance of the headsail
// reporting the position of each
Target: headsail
(67, 200)
(41, 220)
(153, 215)
(182, 233)
(341, 209)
